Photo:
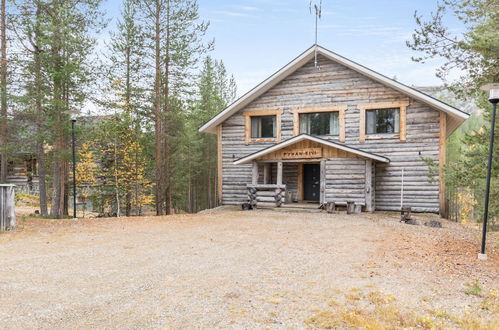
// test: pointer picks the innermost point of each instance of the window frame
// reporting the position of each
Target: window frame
(340, 108)
(376, 113)
(258, 113)
(401, 105)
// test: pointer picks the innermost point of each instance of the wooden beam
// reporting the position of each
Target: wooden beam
(362, 125)
(341, 119)
(254, 173)
(247, 129)
(219, 165)
(322, 193)
(441, 162)
(300, 182)
(296, 123)
(403, 122)
(279, 172)
(369, 186)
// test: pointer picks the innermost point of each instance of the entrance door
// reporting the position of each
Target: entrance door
(311, 182)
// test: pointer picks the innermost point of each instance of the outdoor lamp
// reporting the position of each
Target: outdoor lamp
(493, 98)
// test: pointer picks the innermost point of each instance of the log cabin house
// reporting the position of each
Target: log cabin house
(333, 132)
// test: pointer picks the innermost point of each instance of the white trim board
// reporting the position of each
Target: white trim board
(301, 137)
(457, 117)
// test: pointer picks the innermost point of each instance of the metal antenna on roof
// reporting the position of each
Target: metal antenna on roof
(318, 15)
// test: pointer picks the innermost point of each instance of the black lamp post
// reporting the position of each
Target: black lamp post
(73, 121)
(493, 98)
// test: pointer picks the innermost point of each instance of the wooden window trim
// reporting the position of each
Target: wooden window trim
(402, 105)
(341, 108)
(247, 125)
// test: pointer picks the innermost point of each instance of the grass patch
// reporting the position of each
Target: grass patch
(353, 297)
(378, 298)
(385, 315)
(473, 288)
(491, 302)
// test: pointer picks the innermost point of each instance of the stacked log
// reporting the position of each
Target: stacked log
(266, 195)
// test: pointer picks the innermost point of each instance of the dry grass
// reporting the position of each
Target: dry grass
(382, 313)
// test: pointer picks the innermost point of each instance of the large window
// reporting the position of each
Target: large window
(383, 121)
(319, 123)
(263, 127)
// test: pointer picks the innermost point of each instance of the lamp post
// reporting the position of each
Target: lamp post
(493, 98)
(73, 121)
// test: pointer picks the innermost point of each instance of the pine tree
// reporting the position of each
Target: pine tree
(215, 91)
(67, 48)
(175, 33)
(475, 55)
(127, 70)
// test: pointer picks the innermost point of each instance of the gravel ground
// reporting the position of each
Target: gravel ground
(226, 268)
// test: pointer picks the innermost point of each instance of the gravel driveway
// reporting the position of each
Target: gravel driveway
(231, 269)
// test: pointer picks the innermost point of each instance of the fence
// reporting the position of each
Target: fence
(7, 207)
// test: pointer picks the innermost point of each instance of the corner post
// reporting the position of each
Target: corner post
(322, 193)
(369, 186)
(279, 172)
(254, 173)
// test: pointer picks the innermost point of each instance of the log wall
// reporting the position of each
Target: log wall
(346, 180)
(335, 84)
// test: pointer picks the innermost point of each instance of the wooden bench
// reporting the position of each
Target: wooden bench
(351, 206)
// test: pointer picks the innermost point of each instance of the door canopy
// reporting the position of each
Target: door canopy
(305, 146)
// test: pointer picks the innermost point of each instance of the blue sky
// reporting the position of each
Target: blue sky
(255, 38)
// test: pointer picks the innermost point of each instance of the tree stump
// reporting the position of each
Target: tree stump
(350, 207)
(405, 214)
(331, 207)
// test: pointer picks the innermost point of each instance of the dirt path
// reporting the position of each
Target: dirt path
(233, 269)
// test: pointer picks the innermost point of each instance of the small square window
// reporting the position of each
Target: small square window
(263, 127)
(383, 121)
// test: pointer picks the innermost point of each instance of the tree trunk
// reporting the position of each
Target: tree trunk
(59, 168)
(42, 179)
(157, 113)
(3, 92)
(40, 118)
(116, 184)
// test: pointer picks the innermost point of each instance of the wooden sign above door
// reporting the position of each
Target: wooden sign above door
(302, 153)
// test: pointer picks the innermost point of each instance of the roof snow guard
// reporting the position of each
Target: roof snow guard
(301, 137)
(457, 116)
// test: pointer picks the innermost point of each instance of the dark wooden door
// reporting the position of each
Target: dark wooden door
(311, 182)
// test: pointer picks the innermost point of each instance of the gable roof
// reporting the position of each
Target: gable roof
(456, 116)
(302, 137)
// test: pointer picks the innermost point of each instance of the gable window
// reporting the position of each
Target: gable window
(327, 121)
(320, 123)
(263, 127)
(383, 121)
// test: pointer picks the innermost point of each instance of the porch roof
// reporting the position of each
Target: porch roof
(247, 159)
